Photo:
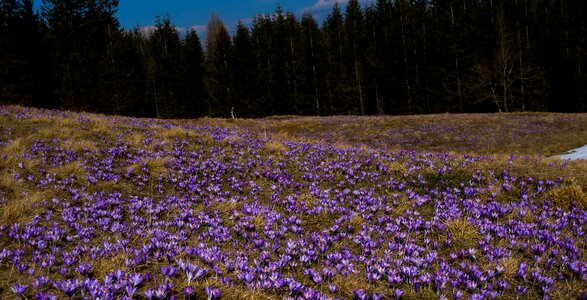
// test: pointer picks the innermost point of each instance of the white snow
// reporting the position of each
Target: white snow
(578, 153)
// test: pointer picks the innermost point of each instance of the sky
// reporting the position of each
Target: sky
(186, 14)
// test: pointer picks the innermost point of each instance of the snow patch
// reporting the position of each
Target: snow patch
(575, 154)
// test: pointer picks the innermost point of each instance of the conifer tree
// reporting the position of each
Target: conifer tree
(293, 63)
(245, 82)
(78, 37)
(219, 72)
(336, 81)
(194, 99)
(166, 52)
(280, 53)
(353, 52)
(24, 62)
(262, 35)
(311, 65)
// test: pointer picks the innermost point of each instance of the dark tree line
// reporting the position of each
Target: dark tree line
(391, 57)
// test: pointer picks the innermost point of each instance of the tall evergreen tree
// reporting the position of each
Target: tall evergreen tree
(194, 96)
(312, 55)
(353, 52)
(293, 66)
(280, 61)
(78, 34)
(245, 82)
(402, 56)
(219, 62)
(262, 35)
(9, 59)
(336, 79)
(378, 58)
(166, 52)
(446, 55)
(131, 77)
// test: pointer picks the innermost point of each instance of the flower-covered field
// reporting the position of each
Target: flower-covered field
(422, 207)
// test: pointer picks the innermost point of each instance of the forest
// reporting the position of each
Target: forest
(364, 58)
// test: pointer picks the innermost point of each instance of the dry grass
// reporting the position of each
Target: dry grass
(346, 285)
(13, 153)
(543, 134)
(172, 133)
(74, 168)
(101, 127)
(495, 134)
(567, 194)
(274, 146)
(157, 167)
(225, 207)
(357, 222)
(232, 139)
(511, 266)
(108, 264)
(308, 199)
(397, 167)
(259, 222)
(237, 293)
(464, 234)
(135, 138)
(113, 186)
(20, 208)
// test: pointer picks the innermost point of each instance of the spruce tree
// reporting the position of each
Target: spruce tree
(78, 38)
(245, 82)
(312, 67)
(262, 35)
(354, 48)
(219, 64)
(336, 79)
(194, 97)
(166, 52)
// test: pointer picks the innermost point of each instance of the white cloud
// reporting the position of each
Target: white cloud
(326, 3)
(147, 30)
(199, 28)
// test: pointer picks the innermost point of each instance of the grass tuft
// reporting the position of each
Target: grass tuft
(464, 234)
(566, 195)
(20, 209)
(357, 222)
(275, 146)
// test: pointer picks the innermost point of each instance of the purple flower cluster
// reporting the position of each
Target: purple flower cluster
(225, 211)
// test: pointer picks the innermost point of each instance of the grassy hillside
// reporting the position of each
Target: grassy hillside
(461, 206)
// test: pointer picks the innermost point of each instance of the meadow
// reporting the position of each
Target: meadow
(411, 207)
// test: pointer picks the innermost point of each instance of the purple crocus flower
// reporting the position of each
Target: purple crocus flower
(377, 296)
(83, 269)
(213, 293)
(521, 290)
(18, 289)
(168, 271)
(69, 287)
(397, 293)
(39, 282)
(361, 295)
(188, 291)
(45, 296)
(150, 293)
(136, 279)
(130, 290)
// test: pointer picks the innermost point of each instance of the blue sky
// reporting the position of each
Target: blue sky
(194, 14)
(187, 14)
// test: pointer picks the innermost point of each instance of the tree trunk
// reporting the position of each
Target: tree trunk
(314, 72)
(358, 79)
